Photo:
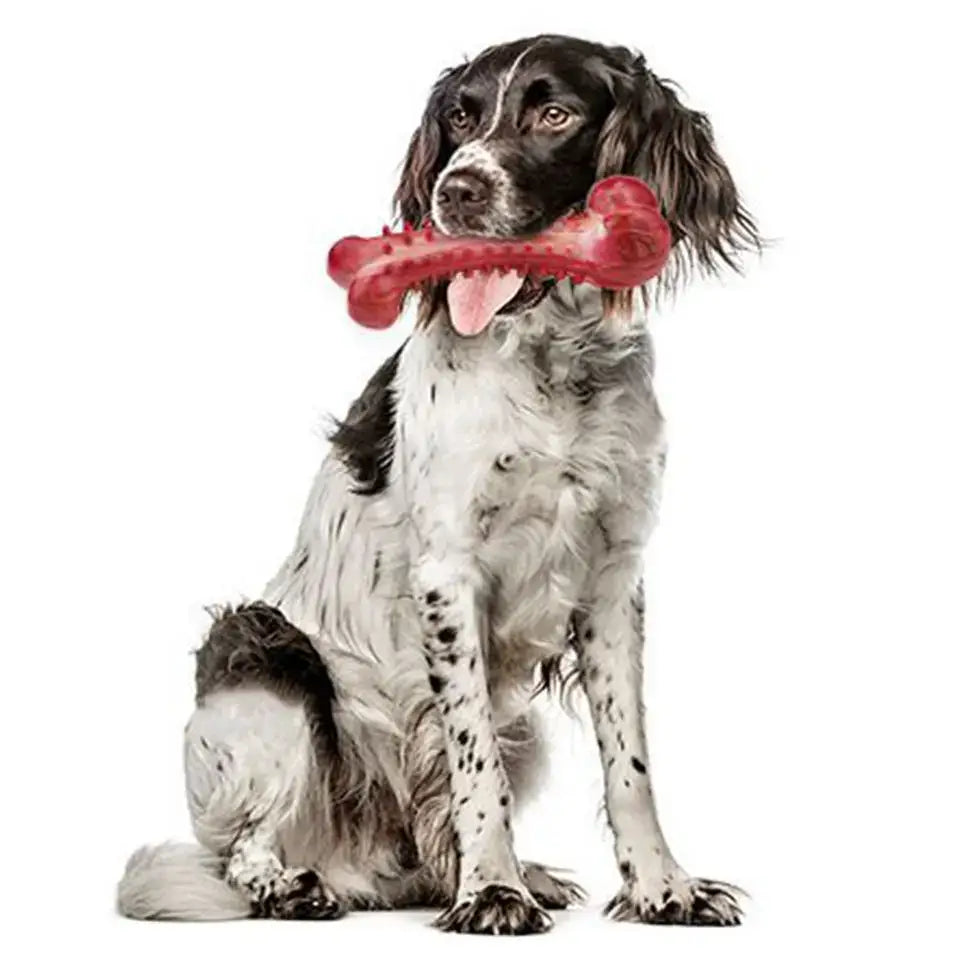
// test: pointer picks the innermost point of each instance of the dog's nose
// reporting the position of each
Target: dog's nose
(464, 193)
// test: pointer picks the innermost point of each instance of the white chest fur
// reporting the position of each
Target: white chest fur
(519, 456)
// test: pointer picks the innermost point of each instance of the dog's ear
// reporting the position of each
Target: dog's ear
(426, 155)
(651, 134)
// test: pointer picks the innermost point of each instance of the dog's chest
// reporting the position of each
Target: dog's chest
(505, 460)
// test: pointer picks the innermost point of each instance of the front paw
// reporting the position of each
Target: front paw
(679, 900)
(495, 909)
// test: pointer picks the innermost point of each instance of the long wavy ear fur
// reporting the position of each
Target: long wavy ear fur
(651, 134)
(427, 154)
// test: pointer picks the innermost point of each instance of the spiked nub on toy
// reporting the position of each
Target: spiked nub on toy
(619, 241)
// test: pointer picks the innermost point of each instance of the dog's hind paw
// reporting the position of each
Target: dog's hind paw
(551, 891)
(495, 909)
(682, 900)
(304, 897)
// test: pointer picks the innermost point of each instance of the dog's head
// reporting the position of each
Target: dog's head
(515, 138)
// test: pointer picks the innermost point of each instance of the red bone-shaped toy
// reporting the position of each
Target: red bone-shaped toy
(620, 241)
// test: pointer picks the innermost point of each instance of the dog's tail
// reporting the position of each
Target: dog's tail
(178, 882)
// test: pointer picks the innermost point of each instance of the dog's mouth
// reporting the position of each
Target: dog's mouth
(476, 299)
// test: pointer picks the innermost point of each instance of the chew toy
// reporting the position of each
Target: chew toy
(619, 241)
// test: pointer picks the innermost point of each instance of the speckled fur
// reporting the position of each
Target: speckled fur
(521, 488)
(364, 735)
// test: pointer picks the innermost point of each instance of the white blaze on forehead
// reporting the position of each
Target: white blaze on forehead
(504, 82)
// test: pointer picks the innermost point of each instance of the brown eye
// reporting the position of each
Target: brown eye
(555, 117)
(458, 119)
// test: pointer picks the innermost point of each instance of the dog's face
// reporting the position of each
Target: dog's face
(514, 139)
(522, 123)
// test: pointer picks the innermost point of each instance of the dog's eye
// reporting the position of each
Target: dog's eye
(458, 119)
(555, 117)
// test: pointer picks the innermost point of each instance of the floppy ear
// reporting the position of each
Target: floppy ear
(426, 155)
(651, 134)
(425, 158)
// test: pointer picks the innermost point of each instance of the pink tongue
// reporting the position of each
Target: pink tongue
(473, 301)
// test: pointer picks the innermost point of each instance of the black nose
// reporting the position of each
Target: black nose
(464, 193)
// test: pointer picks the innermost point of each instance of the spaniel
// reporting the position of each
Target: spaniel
(364, 734)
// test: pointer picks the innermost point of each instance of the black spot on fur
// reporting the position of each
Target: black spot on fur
(437, 683)
(638, 766)
(376, 570)
(432, 392)
(627, 871)
(432, 597)
(365, 439)
(479, 764)
(447, 635)
(255, 646)
(463, 738)
(583, 389)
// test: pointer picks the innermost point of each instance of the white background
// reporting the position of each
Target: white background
(172, 176)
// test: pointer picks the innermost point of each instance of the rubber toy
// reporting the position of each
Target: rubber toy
(619, 241)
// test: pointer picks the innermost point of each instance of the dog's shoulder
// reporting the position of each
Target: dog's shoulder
(364, 439)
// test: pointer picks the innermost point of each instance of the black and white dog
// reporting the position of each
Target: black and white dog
(363, 734)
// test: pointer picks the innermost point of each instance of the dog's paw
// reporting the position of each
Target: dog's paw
(302, 897)
(680, 900)
(495, 909)
(550, 890)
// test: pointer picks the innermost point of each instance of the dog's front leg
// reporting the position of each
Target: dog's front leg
(491, 897)
(609, 637)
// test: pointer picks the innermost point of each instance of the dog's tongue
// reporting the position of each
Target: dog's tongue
(474, 300)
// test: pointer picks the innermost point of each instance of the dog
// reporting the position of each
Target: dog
(364, 733)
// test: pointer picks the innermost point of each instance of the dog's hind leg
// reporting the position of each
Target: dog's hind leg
(250, 778)
(262, 733)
